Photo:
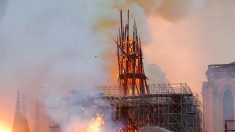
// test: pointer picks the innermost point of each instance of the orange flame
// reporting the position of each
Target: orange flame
(4, 127)
(96, 124)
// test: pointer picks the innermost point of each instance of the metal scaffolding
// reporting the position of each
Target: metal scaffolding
(170, 106)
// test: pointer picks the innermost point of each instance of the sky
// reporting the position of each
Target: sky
(48, 47)
(184, 48)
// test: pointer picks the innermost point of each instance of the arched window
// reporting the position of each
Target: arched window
(228, 107)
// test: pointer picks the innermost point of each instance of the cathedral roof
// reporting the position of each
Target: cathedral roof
(221, 65)
(232, 63)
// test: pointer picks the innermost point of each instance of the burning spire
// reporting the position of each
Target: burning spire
(130, 61)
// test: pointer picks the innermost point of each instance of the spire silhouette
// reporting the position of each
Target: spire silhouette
(18, 105)
(20, 123)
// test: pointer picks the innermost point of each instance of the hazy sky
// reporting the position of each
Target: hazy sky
(184, 48)
(48, 44)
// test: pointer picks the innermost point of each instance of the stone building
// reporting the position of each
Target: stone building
(218, 97)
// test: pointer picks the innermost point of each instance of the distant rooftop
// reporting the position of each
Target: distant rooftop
(221, 65)
(221, 70)
(232, 63)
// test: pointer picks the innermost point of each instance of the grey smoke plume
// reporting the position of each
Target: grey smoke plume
(77, 111)
(50, 48)
(155, 74)
(171, 10)
(3, 5)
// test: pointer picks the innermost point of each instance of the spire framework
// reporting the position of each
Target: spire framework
(132, 78)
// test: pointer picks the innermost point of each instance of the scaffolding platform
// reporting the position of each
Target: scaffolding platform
(170, 106)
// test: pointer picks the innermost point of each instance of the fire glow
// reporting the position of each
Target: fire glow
(4, 127)
(96, 124)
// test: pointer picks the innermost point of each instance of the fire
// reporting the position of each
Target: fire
(4, 127)
(96, 124)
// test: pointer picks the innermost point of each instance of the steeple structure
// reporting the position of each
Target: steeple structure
(132, 78)
(20, 123)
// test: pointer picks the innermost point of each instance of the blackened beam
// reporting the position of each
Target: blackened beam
(123, 51)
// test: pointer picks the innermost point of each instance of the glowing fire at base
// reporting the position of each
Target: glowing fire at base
(4, 127)
(96, 124)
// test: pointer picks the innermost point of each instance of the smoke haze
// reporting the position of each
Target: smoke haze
(50, 48)
(184, 48)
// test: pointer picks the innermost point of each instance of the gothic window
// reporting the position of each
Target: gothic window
(228, 107)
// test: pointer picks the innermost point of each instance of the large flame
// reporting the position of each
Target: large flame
(96, 124)
(4, 127)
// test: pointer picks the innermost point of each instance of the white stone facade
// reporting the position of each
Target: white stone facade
(218, 106)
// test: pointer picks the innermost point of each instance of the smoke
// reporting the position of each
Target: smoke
(50, 49)
(3, 5)
(180, 9)
(155, 74)
(79, 109)
(168, 9)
